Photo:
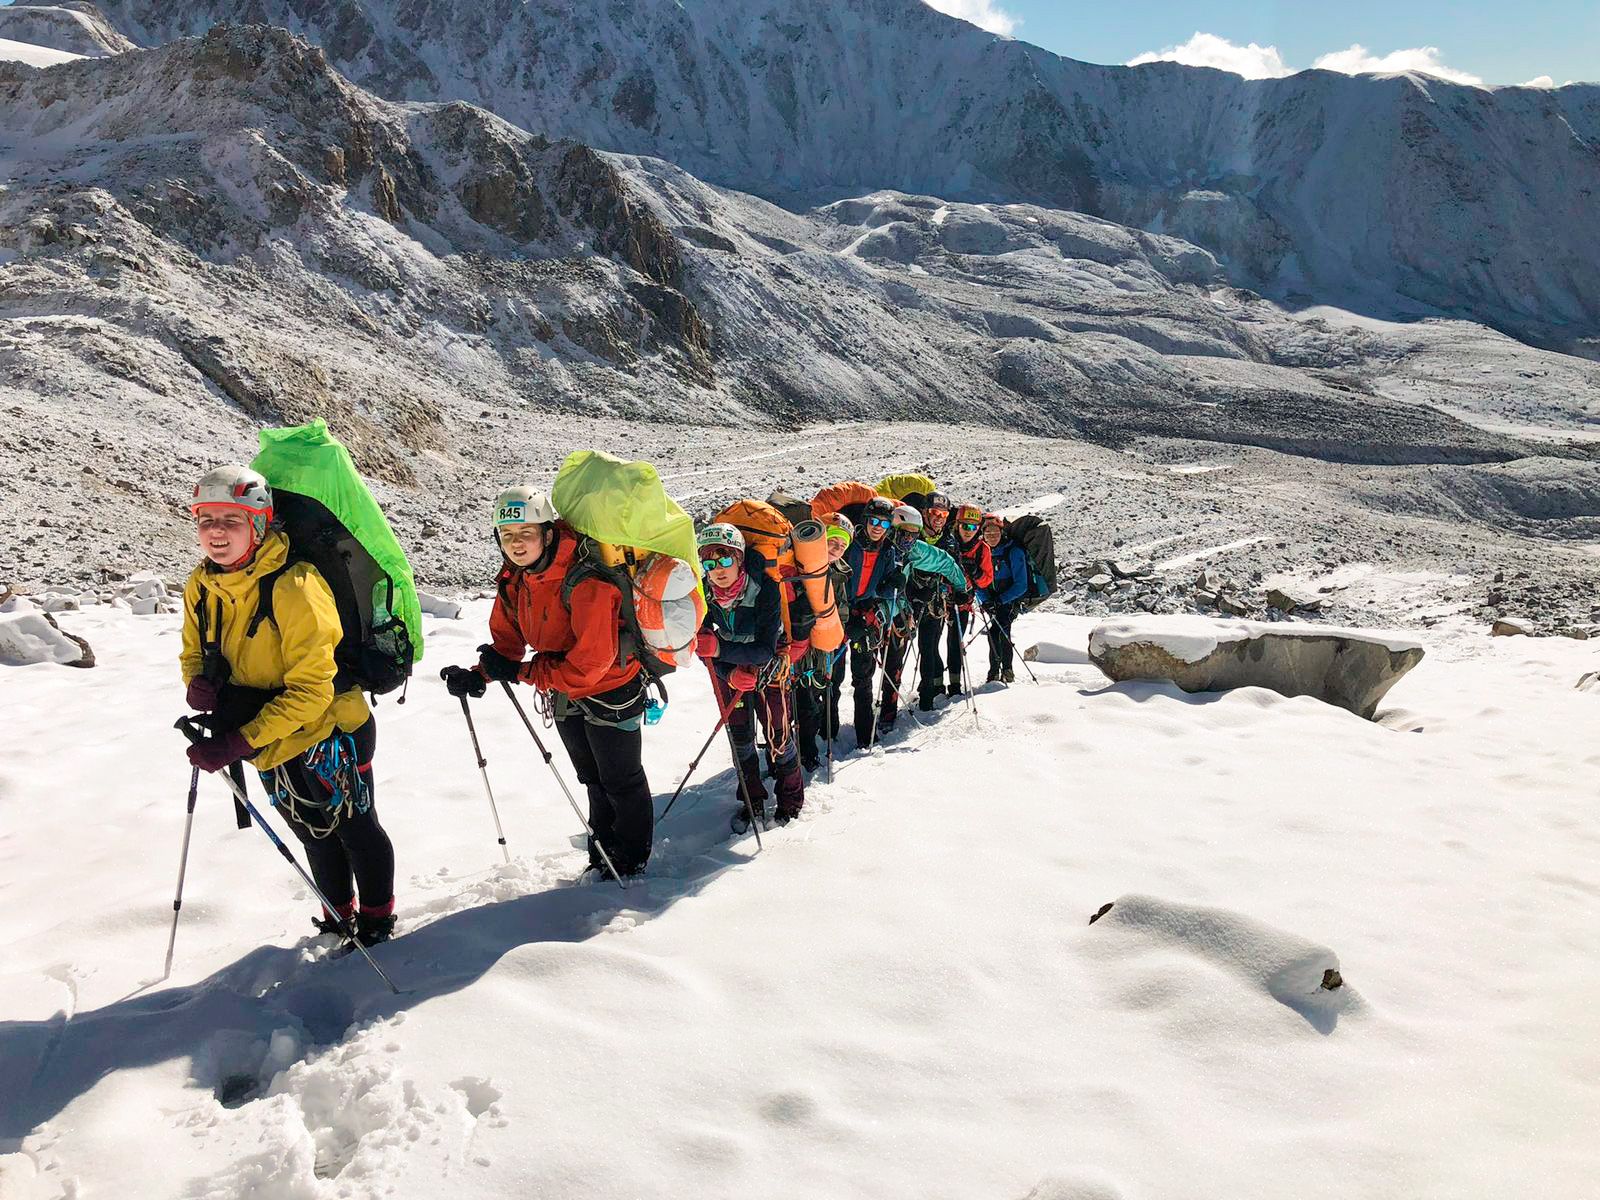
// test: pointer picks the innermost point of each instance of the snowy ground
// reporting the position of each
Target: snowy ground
(900, 996)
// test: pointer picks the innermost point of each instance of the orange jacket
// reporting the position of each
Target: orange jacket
(574, 652)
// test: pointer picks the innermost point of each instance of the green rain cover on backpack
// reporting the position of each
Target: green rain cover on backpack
(623, 504)
(331, 519)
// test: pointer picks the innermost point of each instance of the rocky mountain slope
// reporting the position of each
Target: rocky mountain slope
(1387, 193)
(223, 232)
(75, 26)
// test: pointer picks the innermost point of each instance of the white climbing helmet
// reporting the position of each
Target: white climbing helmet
(522, 506)
(906, 517)
(720, 534)
(236, 487)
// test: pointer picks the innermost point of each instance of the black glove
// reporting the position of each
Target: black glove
(464, 681)
(497, 666)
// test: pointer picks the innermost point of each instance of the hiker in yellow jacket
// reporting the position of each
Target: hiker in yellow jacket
(263, 669)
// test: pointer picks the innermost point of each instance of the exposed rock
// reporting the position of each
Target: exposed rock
(1287, 601)
(1590, 682)
(1234, 606)
(1511, 627)
(1350, 668)
(1124, 569)
(1099, 582)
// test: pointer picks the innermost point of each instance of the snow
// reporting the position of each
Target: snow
(900, 996)
(33, 56)
(1184, 560)
(1190, 639)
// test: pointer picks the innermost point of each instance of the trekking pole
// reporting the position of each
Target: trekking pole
(966, 679)
(1005, 633)
(722, 719)
(562, 783)
(483, 769)
(733, 750)
(183, 868)
(827, 715)
(187, 727)
(744, 792)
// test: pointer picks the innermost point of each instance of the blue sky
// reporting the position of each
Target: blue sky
(1492, 40)
(1488, 40)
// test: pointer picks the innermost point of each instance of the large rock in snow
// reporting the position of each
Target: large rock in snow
(28, 636)
(1349, 667)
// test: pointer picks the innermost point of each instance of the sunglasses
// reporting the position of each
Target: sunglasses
(879, 522)
(717, 560)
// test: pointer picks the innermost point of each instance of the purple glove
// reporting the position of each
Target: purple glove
(202, 694)
(216, 753)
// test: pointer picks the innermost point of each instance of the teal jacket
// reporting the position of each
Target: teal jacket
(928, 559)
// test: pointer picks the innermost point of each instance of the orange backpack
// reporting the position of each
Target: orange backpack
(767, 530)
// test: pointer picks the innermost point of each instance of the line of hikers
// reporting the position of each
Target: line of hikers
(282, 636)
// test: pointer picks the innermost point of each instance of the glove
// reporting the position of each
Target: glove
(216, 753)
(202, 694)
(869, 618)
(464, 681)
(497, 666)
(706, 644)
(742, 679)
(798, 650)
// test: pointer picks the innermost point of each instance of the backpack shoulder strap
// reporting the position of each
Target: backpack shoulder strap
(264, 598)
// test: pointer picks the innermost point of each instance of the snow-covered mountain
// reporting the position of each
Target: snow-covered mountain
(75, 26)
(223, 232)
(1482, 202)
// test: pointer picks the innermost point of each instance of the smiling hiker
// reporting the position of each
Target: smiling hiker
(303, 600)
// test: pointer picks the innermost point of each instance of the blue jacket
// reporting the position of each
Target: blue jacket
(1010, 575)
(749, 629)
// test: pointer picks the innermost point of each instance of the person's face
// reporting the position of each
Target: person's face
(836, 549)
(936, 518)
(722, 567)
(224, 533)
(966, 531)
(522, 544)
(991, 535)
(877, 529)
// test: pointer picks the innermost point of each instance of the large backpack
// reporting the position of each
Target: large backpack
(849, 498)
(636, 538)
(333, 523)
(793, 508)
(1038, 542)
(662, 605)
(767, 531)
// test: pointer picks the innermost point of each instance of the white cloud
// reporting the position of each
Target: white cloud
(1541, 81)
(981, 13)
(1358, 60)
(1209, 50)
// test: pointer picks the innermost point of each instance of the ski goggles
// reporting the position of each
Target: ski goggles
(879, 522)
(716, 559)
(969, 526)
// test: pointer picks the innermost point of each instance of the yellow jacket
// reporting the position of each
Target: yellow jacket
(293, 651)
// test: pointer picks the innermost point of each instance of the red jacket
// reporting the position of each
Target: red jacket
(976, 561)
(574, 652)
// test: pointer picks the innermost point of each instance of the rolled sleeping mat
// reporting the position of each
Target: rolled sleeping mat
(811, 557)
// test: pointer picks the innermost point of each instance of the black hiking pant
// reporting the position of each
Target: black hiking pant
(930, 670)
(895, 646)
(357, 853)
(608, 761)
(1001, 648)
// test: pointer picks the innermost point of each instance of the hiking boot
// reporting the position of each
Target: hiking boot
(954, 689)
(1008, 676)
(371, 930)
(994, 675)
(784, 815)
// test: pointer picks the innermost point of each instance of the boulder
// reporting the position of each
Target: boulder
(1233, 606)
(1288, 600)
(28, 636)
(1123, 569)
(1099, 583)
(1511, 627)
(1351, 668)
